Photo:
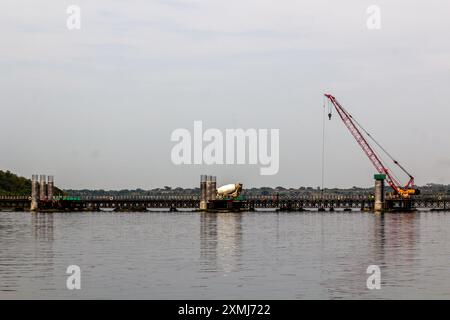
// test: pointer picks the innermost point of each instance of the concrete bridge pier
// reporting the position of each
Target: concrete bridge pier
(41, 191)
(34, 193)
(208, 188)
(42, 187)
(50, 184)
(203, 200)
(213, 187)
(379, 192)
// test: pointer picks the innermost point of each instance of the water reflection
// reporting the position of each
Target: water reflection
(395, 247)
(394, 233)
(282, 255)
(42, 226)
(27, 253)
(220, 241)
(379, 232)
(389, 241)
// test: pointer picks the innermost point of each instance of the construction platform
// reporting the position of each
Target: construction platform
(226, 205)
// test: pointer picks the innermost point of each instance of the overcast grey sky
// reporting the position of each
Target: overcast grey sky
(96, 106)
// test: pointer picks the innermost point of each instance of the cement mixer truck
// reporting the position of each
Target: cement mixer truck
(229, 190)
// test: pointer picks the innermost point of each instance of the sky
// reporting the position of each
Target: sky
(96, 107)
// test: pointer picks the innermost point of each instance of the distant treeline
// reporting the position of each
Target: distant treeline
(263, 191)
(13, 185)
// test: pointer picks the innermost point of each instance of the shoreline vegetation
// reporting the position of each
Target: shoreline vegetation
(12, 184)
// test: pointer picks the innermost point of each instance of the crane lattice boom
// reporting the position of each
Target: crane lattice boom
(369, 151)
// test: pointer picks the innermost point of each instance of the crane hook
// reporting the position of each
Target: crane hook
(329, 116)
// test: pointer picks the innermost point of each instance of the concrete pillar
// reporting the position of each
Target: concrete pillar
(379, 192)
(34, 193)
(208, 188)
(42, 188)
(203, 200)
(213, 188)
(50, 185)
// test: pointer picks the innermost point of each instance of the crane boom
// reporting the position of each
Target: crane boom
(349, 122)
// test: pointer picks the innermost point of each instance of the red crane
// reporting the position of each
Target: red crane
(354, 127)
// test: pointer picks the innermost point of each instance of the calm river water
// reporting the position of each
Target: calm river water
(260, 255)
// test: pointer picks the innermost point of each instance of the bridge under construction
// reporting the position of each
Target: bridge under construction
(228, 198)
(249, 203)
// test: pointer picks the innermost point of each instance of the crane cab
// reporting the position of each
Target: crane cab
(406, 193)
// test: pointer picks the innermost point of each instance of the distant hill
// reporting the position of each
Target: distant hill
(13, 185)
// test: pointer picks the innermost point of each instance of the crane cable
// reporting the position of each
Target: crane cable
(369, 135)
(323, 146)
(383, 149)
